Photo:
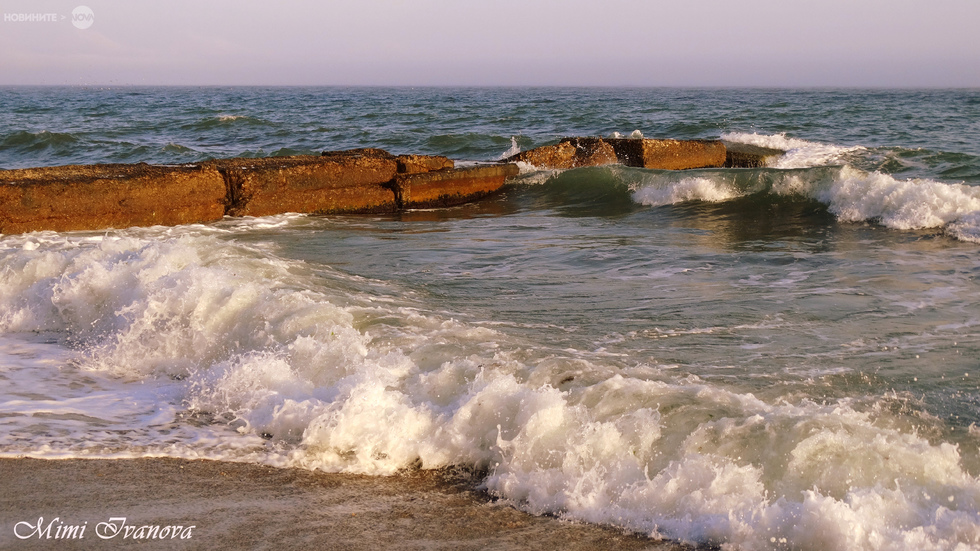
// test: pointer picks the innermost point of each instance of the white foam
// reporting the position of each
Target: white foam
(799, 153)
(966, 228)
(710, 189)
(858, 486)
(515, 148)
(856, 196)
(527, 168)
(277, 221)
(198, 346)
(851, 194)
(534, 175)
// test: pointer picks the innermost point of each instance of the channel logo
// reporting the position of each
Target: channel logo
(82, 17)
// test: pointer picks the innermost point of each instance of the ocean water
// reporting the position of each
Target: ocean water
(776, 358)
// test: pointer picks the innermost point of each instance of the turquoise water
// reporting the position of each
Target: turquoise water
(784, 357)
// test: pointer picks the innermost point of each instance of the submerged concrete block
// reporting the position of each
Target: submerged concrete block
(92, 197)
(336, 182)
(445, 188)
(742, 155)
(669, 154)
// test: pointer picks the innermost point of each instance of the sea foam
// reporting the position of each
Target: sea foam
(712, 190)
(851, 194)
(193, 344)
(902, 204)
(799, 153)
(515, 148)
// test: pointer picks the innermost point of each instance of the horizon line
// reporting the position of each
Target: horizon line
(515, 86)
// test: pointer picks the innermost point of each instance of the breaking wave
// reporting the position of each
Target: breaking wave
(799, 153)
(850, 194)
(686, 189)
(809, 171)
(201, 346)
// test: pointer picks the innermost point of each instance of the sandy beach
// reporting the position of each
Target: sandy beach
(243, 506)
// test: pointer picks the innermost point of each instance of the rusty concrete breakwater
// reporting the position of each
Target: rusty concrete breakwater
(92, 197)
(635, 152)
(742, 155)
(647, 153)
(102, 196)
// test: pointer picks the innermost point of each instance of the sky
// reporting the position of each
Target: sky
(759, 43)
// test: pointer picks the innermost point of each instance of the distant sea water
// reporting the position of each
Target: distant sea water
(777, 358)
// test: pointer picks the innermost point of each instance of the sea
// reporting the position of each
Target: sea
(785, 357)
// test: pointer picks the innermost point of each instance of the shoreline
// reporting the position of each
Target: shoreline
(247, 506)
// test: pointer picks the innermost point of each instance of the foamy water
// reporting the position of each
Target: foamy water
(684, 190)
(189, 344)
(777, 358)
(799, 153)
(853, 195)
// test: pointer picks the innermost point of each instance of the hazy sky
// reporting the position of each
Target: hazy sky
(464, 42)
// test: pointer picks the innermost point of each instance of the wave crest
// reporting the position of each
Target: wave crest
(857, 196)
(711, 190)
(850, 194)
(799, 153)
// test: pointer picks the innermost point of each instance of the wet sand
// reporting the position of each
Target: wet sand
(243, 506)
